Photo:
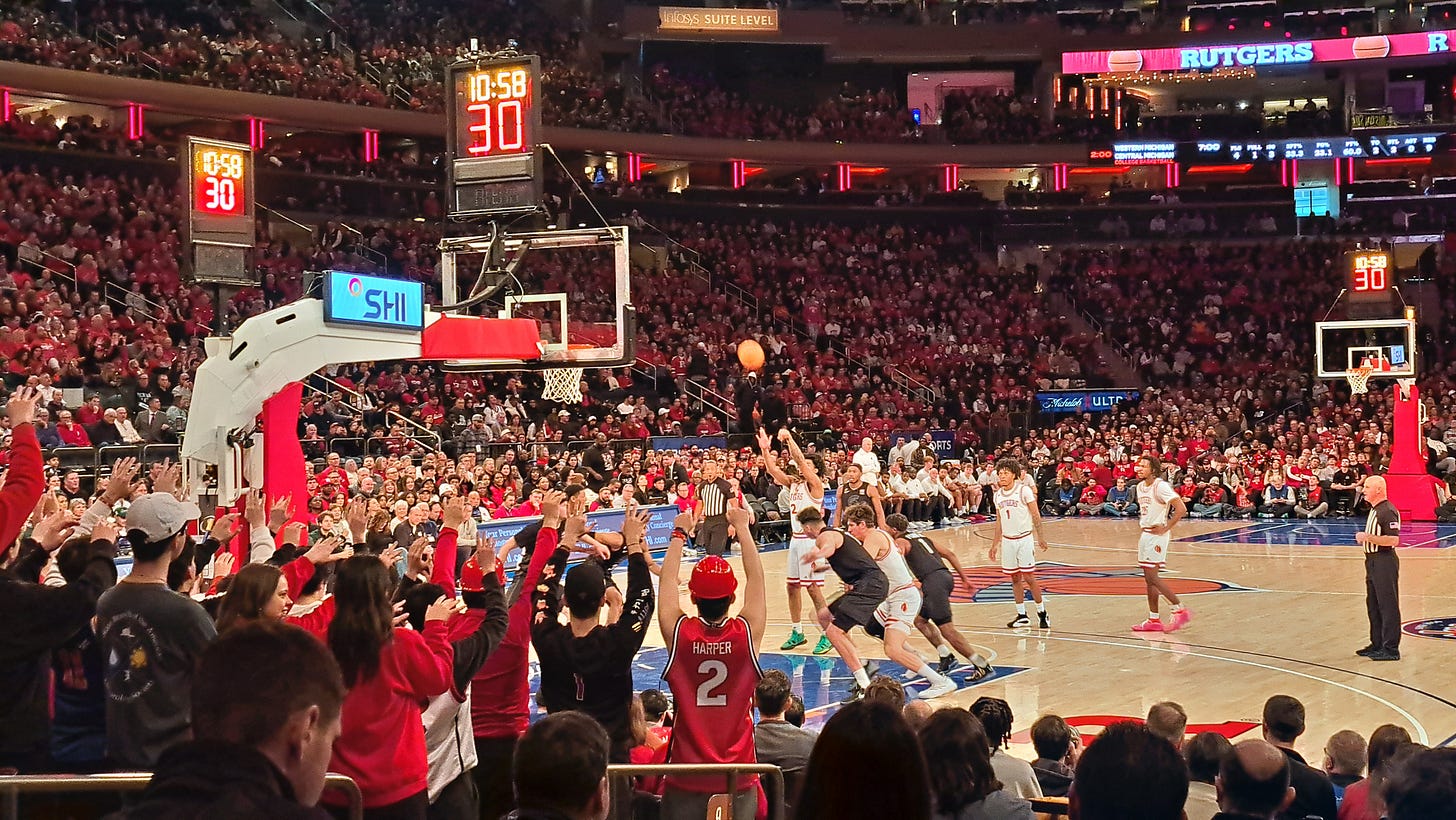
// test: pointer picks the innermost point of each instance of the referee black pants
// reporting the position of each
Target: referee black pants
(713, 534)
(1382, 599)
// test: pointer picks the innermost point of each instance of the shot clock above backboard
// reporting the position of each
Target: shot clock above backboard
(494, 126)
(217, 193)
(1370, 273)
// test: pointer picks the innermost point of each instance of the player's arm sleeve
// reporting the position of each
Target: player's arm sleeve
(1166, 493)
(631, 628)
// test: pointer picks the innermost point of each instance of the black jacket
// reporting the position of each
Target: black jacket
(39, 619)
(1314, 794)
(593, 673)
(1054, 776)
(212, 780)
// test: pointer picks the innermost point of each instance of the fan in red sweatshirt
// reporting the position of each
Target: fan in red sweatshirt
(25, 478)
(382, 745)
(500, 693)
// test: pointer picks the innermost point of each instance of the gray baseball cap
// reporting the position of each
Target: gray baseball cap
(160, 515)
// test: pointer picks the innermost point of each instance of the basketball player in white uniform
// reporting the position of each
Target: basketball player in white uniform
(894, 619)
(1156, 498)
(806, 489)
(1018, 537)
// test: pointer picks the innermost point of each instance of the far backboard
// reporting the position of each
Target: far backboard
(1389, 345)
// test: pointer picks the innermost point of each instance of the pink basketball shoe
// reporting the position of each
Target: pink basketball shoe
(1180, 619)
(1149, 625)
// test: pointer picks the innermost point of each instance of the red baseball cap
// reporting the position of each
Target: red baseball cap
(712, 578)
(472, 579)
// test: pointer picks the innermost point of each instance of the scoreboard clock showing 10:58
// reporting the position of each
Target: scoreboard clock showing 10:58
(220, 180)
(218, 193)
(1369, 275)
(493, 136)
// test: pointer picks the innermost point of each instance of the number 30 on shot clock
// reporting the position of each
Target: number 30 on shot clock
(496, 109)
(220, 178)
(1369, 272)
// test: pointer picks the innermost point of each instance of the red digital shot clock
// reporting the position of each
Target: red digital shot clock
(495, 110)
(1369, 272)
(219, 180)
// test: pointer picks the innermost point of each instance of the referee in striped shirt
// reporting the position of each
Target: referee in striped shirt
(1382, 572)
(713, 495)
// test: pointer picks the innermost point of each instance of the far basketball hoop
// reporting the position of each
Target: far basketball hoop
(1359, 378)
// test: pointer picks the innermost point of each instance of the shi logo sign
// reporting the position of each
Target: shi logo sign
(373, 301)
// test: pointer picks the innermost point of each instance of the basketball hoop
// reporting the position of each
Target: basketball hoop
(563, 384)
(1359, 378)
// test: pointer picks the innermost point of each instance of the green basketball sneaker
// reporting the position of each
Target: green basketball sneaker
(823, 646)
(796, 640)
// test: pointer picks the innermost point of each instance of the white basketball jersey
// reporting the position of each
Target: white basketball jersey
(897, 572)
(1013, 510)
(1153, 502)
(800, 500)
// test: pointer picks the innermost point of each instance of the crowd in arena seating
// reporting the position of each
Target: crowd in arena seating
(397, 57)
(116, 237)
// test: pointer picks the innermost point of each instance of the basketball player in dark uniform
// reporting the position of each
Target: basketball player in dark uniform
(865, 585)
(713, 496)
(852, 490)
(927, 561)
(1382, 572)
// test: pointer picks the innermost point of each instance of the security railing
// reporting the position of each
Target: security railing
(12, 786)
(732, 774)
(113, 292)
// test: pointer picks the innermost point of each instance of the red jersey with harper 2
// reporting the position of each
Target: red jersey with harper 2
(717, 667)
(1153, 503)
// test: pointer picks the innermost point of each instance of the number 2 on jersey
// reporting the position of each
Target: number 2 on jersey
(716, 673)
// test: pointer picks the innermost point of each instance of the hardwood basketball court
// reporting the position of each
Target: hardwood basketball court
(1279, 608)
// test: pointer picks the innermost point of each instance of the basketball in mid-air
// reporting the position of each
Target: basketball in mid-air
(750, 354)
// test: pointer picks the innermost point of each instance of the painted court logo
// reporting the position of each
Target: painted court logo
(989, 585)
(1443, 628)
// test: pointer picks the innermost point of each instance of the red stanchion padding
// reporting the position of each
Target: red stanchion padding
(1412, 489)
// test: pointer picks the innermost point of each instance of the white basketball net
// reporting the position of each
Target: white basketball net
(1359, 378)
(562, 384)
